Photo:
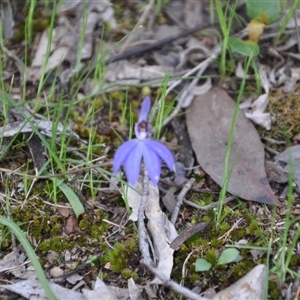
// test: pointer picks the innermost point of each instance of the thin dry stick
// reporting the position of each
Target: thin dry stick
(180, 197)
(166, 281)
(209, 206)
(201, 68)
(155, 45)
(139, 23)
(297, 31)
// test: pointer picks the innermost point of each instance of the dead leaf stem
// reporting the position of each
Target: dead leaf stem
(157, 44)
(172, 284)
(180, 197)
(143, 240)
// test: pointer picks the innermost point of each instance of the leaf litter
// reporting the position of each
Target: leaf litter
(208, 119)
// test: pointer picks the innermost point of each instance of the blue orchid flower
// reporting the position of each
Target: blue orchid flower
(131, 153)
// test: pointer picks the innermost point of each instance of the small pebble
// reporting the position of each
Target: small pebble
(56, 272)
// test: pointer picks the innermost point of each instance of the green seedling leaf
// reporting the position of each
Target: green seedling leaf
(202, 265)
(31, 255)
(266, 11)
(246, 48)
(228, 256)
(238, 259)
(71, 196)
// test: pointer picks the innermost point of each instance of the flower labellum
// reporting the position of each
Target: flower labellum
(131, 153)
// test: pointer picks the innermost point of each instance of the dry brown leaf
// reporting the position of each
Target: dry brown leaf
(71, 225)
(209, 119)
(31, 288)
(251, 286)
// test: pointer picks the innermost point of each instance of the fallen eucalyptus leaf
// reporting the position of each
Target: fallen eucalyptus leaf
(251, 286)
(209, 119)
(32, 287)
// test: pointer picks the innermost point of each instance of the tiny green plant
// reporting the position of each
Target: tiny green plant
(285, 259)
(225, 17)
(229, 255)
(119, 257)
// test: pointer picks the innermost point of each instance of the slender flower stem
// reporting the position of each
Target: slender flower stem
(143, 241)
(166, 281)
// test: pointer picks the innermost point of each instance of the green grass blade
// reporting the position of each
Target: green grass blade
(71, 196)
(31, 254)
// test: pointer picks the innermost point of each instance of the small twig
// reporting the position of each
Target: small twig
(201, 68)
(226, 234)
(272, 151)
(79, 267)
(9, 171)
(139, 23)
(120, 227)
(297, 31)
(166, 281)
(180, 198)
(155, 45)
(187, 234)
(209, 206)
(183, 272)
(20, 65)
(273, 141)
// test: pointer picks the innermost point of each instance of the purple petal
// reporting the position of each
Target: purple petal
(161, 151)
(122, 153)
(152, 164)
(133, 163)
(145, 109)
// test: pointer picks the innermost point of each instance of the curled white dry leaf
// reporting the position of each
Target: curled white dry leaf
(202, 89)
(261, 103)
(262, 119)
(246, 104)
(289, 85)
(265, 83)
(240, 72)
(134, 291)
(196, 91)
(256, 112)
(295, 73)
(133, 197)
